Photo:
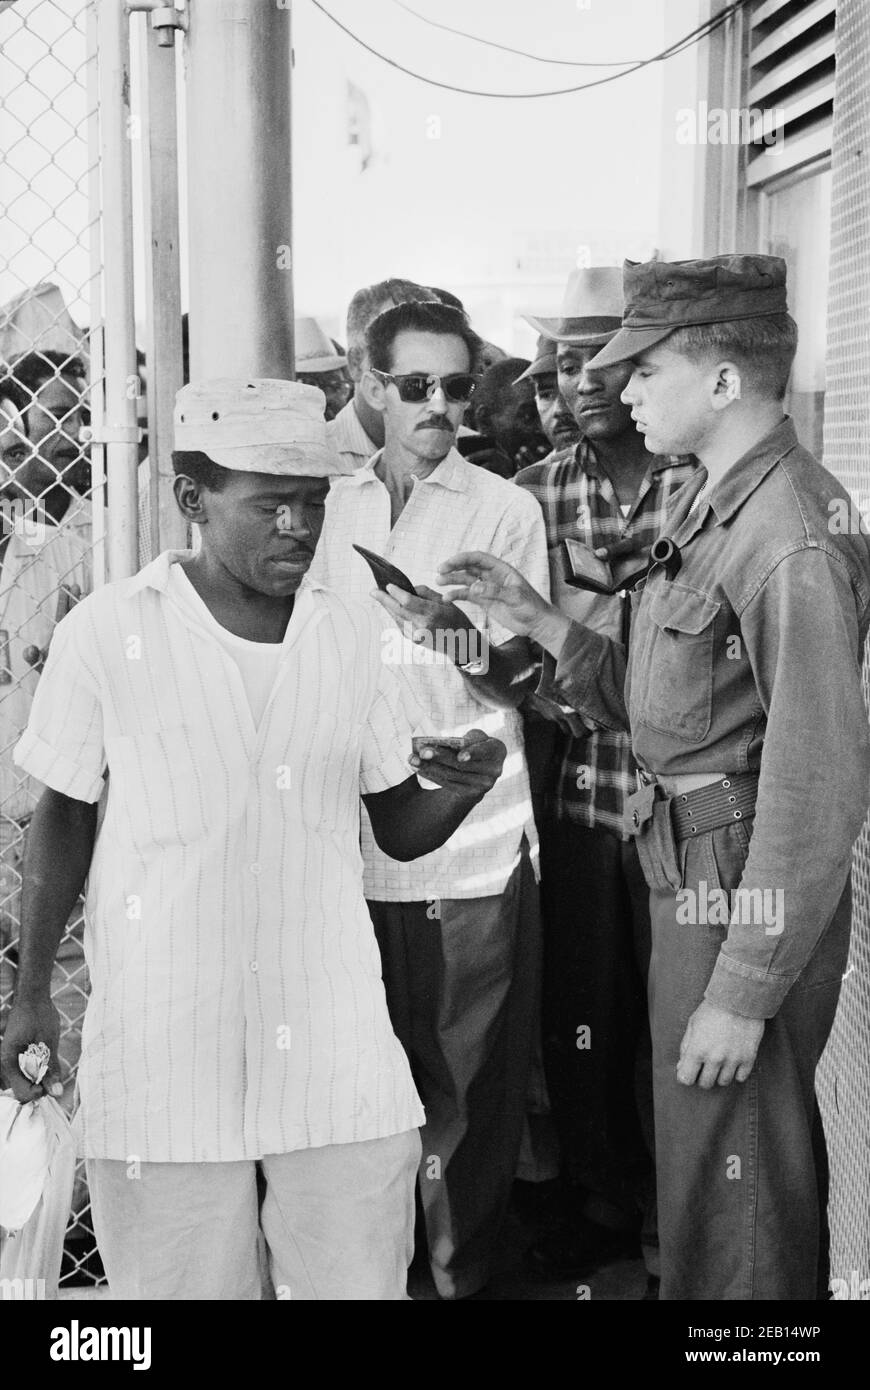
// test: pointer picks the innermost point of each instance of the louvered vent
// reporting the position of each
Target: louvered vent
(791, 79)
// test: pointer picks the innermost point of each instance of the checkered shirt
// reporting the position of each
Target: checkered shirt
(593, 774)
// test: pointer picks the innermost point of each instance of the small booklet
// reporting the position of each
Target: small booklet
(384, 572)
(584, 570)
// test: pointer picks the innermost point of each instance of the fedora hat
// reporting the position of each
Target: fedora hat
(591, 309)
(314, 351)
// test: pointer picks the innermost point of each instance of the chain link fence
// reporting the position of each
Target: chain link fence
(51, 493)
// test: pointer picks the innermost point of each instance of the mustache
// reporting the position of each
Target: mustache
(433, 422)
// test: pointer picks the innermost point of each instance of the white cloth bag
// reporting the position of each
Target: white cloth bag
(37, 1166)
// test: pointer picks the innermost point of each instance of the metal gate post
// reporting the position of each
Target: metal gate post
(163, 348)
(239, 58)
(118, 430)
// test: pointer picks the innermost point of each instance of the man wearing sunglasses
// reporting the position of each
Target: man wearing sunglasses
(458, 930)
(357, 430)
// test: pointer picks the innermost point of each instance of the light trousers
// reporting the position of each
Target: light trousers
(337, 1224)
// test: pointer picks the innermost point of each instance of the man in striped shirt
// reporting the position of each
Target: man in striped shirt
(605, 494)
(237, 1013)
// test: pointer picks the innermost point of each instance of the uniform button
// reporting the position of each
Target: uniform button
(255, 966)
(255, 869)
(635, 818)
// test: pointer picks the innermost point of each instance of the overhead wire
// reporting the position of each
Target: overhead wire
(505, 48)
(679, 46)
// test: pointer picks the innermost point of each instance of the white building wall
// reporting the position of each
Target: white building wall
(495, 200)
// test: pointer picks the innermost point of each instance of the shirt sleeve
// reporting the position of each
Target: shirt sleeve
(589, 676)
(62, 745)
(393, 718)
(802, 638)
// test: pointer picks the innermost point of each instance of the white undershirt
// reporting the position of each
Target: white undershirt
(257, 661)
(625, 508)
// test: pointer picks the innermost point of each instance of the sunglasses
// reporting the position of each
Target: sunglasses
(414, 387)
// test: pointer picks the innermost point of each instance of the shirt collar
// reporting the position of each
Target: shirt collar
(587, 459)
(156, 574)
(744, 476)
(347, 433)
(452, 472)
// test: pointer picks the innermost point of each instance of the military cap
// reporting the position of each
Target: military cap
(663, 295)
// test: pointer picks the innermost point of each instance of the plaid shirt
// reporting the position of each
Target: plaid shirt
(596, 770)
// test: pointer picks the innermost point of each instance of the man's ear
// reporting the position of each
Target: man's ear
(726, 386)
(374, 390)
(191, 499)
(482, 418)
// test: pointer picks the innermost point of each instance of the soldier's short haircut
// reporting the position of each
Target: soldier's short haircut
(763, 348)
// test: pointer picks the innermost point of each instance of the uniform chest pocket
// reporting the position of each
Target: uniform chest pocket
(158, 787)
(673, 690)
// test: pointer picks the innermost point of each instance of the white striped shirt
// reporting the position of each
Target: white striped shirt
(237, 1007)
(458, 507)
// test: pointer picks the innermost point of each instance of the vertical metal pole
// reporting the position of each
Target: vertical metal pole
(119, 429)
(239, 57)
(95, 343)
(163, 278)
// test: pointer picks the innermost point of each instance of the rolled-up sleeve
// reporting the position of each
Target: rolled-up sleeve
(63, 745)
(802, 639)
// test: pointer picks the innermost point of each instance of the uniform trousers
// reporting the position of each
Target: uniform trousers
(337, 1223)
(461, 977)
(742, 1169)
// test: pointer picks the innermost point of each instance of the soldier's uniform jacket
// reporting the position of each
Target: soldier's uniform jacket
(748, 659)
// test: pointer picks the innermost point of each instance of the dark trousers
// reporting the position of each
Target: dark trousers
(596, 957)
(742, 1169)
(462, 977)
